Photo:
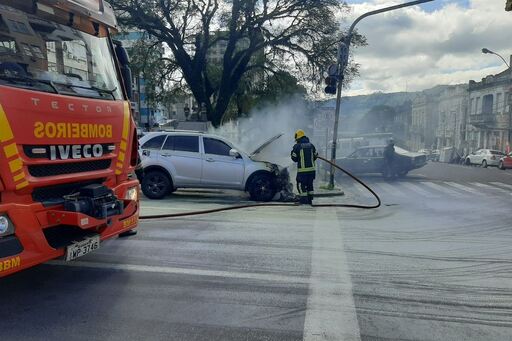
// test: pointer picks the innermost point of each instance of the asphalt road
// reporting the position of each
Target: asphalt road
(433, 263)
(452, 172)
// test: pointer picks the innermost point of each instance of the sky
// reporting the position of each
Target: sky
(422, 46)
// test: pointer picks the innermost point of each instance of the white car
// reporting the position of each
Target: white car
(184, 159)
(485, 157)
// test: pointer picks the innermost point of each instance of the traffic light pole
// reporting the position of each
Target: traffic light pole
(343, 53)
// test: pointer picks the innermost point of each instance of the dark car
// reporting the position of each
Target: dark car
(371, 160)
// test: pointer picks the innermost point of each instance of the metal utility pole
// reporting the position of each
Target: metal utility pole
(342, 62)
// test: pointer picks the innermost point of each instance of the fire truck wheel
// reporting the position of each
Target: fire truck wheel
(156, 185)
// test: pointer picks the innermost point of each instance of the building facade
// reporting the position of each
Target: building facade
(424, 121)
(452, 122)
(489, 112)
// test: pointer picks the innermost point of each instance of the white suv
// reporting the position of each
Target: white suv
(184, 159)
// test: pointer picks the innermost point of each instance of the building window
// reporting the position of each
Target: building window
(18, 26)
(487, 104)
(500, 106)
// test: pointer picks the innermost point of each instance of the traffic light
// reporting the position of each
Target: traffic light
(508, 6)
(331, 82)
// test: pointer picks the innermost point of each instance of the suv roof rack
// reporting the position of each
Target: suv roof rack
(179, 131)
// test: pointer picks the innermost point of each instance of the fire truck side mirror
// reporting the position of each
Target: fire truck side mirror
(124, 63)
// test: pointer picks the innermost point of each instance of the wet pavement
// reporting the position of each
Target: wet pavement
(433, 263)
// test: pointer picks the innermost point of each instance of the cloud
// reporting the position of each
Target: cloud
(417, 48)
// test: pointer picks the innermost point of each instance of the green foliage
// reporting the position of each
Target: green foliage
(257, 40)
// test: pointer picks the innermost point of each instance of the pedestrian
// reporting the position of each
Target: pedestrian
(304, 154)
(389, 159)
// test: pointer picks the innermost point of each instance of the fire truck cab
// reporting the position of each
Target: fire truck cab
(68, 144)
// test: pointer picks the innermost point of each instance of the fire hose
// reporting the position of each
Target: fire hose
(238, 207)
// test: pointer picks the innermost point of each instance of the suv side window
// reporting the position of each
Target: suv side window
(216, 147)
(169, 143)
(185, 143)
(154, 143)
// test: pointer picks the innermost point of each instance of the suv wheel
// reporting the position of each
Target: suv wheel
(262, 188)
(484, 164)
(156, 185)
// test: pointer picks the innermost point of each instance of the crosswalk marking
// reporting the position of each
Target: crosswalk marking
(492, 188)
(442, 189)
(501, 184)
(463, 188)
(388, 188)
(432, 189)
(417, 189)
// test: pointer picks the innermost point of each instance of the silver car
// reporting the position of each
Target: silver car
(485, 157)
(184, 159)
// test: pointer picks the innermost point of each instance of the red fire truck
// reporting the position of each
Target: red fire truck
(68, 143)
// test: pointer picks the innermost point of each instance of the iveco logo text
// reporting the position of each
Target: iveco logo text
(76, 151)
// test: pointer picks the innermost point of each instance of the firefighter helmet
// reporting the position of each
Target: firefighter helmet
(299, 133)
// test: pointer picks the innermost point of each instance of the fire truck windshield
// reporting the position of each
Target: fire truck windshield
(42, 55)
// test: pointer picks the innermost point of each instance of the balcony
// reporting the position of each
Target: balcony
(482, 120)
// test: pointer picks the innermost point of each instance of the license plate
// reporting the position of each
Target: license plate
(82, 248)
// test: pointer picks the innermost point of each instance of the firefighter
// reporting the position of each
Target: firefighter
(305, 154)
(389, 159)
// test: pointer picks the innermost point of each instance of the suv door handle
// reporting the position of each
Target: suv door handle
(167, 155)
(209, 159)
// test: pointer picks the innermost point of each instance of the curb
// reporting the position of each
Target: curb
(329, 195)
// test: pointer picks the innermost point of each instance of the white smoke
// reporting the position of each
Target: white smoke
(263, 123)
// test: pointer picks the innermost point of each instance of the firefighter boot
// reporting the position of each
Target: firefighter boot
(310, 199)
(303, 200)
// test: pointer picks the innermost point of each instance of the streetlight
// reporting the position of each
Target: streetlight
(487, 51)
(342, 62)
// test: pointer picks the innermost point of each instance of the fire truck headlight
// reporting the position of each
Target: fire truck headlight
(6, 227)
(132, 194)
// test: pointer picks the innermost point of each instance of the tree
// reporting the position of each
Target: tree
(149, 64)
(256, 35)
(272, 90)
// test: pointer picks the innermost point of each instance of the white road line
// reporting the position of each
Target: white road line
(184, 271)
(501, 184)
(390, 189)
(330, 313)
(442, 189)
(417, 189)
(463, 188)
(491, 188)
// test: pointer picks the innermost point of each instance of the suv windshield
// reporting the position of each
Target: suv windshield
(42, 55)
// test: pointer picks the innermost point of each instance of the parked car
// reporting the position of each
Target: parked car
(184, 159)
(505, 162)
(485, 157)
(370, 159)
